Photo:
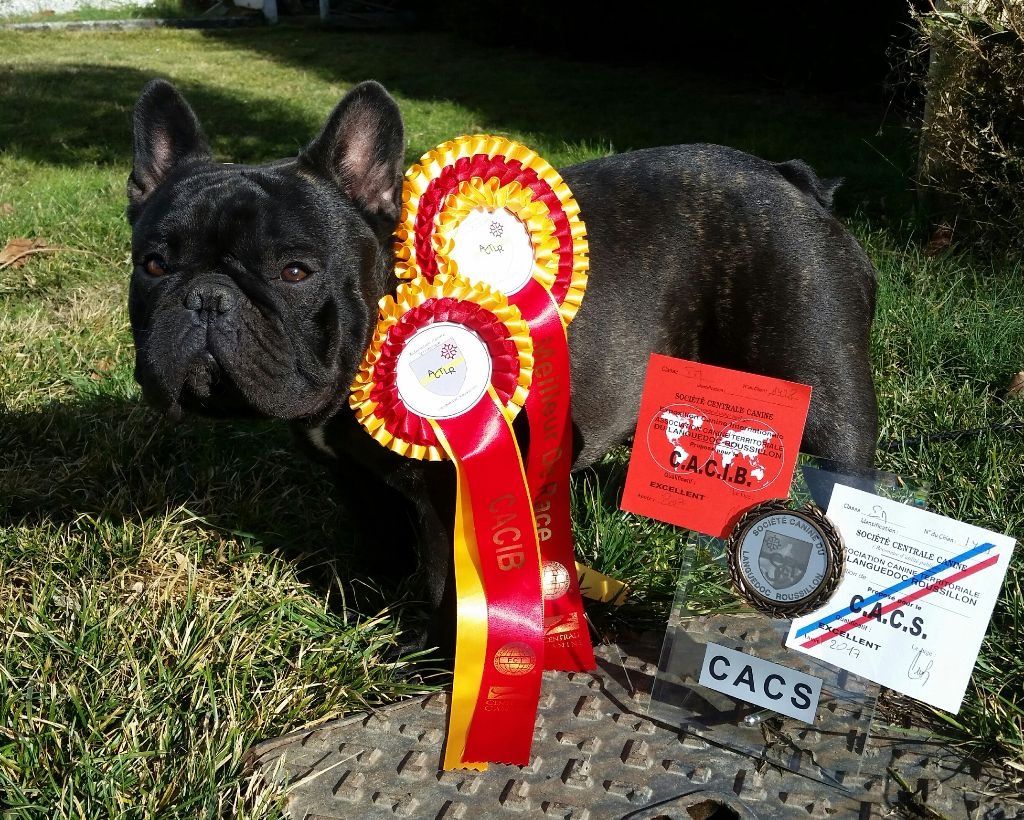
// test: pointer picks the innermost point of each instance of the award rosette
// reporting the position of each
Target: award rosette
(491, 211)
(449, 366)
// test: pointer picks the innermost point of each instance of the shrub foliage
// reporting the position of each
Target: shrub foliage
(971, 168)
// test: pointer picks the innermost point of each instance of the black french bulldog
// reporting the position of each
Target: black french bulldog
(255, 290)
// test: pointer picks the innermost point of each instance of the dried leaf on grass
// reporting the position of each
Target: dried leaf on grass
(101, 368)
(6, 209)
(940, 239)
(1016, 387)
(17, 251)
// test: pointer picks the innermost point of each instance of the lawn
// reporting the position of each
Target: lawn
(171, 593)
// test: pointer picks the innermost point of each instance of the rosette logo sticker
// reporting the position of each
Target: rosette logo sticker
(441, 369)
(493, 247)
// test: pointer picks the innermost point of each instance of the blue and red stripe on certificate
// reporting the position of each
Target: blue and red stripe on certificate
(957, 563)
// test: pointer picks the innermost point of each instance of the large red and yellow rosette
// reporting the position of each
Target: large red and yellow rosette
(490, 210)
(449, 366)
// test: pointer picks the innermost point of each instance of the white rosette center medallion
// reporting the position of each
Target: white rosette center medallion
(493, 247)
(443, 370)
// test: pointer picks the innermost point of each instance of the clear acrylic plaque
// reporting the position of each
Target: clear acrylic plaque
(709, 616)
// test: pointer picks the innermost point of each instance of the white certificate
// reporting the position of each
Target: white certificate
(915, 599)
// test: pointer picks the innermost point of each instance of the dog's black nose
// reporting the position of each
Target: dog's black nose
(212, 297)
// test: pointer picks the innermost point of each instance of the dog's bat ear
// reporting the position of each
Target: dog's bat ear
(362, 149)
(166, 134)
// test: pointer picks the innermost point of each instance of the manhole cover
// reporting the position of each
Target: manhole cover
(597, 754)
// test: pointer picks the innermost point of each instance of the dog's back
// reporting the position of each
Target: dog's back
(705, 252)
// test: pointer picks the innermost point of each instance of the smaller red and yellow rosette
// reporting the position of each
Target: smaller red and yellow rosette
(449, 366)
(491, 210)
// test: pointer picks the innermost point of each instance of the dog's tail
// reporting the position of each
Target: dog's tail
(800, 174)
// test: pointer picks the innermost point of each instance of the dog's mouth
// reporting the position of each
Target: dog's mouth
(202, 389)
(208, 392)
(203, 377)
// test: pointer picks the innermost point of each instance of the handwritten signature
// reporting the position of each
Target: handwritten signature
(920, 667)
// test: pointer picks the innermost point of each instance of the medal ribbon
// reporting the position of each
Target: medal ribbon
(501, 642)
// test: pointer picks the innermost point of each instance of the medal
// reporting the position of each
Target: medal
(784, 561)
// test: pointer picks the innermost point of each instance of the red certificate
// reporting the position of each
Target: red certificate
(711, 442)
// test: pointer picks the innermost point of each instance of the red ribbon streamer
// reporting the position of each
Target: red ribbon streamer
(501, 730)
(567, 645)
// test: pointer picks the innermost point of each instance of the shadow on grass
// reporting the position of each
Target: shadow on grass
(117, 462)
(614, 107)
(81, 113)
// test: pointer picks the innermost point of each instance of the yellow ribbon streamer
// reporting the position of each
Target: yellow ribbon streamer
(471, 624)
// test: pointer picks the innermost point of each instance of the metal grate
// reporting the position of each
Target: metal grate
(597, 755)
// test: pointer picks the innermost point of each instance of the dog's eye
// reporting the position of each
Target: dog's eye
(294, 273)
(155, 266)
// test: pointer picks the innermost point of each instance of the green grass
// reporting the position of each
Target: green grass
(169, 594)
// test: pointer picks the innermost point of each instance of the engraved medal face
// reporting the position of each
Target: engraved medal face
(784, 558)
(783, 561)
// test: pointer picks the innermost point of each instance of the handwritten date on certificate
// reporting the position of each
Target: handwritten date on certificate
(915, 600)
